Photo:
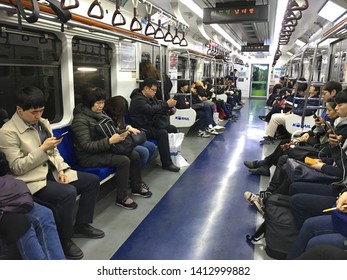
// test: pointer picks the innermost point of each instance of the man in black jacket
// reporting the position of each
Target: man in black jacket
(144, 112)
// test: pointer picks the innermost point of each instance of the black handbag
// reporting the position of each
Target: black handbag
(300, 151)
(106, 128)
(139, 138)
(300, 172)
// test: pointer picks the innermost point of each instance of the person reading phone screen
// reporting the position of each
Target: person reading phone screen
(31, 150)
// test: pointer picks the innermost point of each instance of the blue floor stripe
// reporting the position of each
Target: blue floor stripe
(204, 215)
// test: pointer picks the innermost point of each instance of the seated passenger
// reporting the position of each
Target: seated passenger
(35, 231)
(203, 111)
(335, 166)
(315, 138)
(144, 106)
(117, 108)
(94, 150)
(29, 146)
(320, 230)
(280, 119)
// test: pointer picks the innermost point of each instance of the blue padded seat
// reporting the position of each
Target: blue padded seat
(66, 149)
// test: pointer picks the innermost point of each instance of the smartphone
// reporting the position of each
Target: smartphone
(330, 127)
(61, 135)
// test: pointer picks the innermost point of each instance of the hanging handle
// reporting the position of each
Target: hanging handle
(168, 36)
(97, 4)
(183, 42)
(118, 18)
(159, 34)
(135, 24)
(176, 40)
(69, 7)
(34, 16)
(149, 30)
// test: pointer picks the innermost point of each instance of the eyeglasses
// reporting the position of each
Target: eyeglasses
(153, 89)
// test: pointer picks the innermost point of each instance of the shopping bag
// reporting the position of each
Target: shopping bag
(175, 143)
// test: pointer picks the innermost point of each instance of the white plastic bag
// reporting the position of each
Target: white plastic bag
(175, 142)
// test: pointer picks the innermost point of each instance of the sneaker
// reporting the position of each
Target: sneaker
(218, 128)
(127, 203)
(145, 186)
(267, 140)
(212, 131)
(262, 170)
(203, 134)
(143, 192)
(254, 199)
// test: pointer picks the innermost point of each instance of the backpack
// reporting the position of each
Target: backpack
(279, 227)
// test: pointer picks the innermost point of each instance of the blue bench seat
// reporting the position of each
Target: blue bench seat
(66, 149)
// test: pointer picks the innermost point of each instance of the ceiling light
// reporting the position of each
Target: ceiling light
(289, 53)
(331, 11)
(193, 7)
(300, 43)
(87, 69)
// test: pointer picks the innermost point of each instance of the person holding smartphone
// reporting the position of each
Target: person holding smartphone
(94, 149)
(31, 150)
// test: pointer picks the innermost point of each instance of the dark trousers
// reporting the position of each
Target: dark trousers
(128, 168)
(280, 182)
(272, 159)
(304, 206)
(63, 198)
(161, 135)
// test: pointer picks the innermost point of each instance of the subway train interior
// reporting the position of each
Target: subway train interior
(200, 212)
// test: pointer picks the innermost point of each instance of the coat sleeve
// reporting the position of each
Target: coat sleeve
(84, 137)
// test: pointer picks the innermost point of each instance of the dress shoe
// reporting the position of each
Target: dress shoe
(71, 250)
(262, 170)
(86, 230)
(268, 140)
(172, 168)
(251, 164)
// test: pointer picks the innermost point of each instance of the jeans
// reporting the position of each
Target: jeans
(41, 241)
(146, 151)
(205, 117)
(316, 231)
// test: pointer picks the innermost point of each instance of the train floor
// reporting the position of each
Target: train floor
(197, 214)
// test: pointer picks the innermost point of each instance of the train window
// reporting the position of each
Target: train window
(92, 66)
(4, 70)
(30, 58)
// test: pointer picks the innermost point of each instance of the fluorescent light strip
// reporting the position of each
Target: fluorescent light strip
(300, 43)
(281, 8)
(193, 7)
(200, 12)
(87, 69)
(331, 11)
(225, 35)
